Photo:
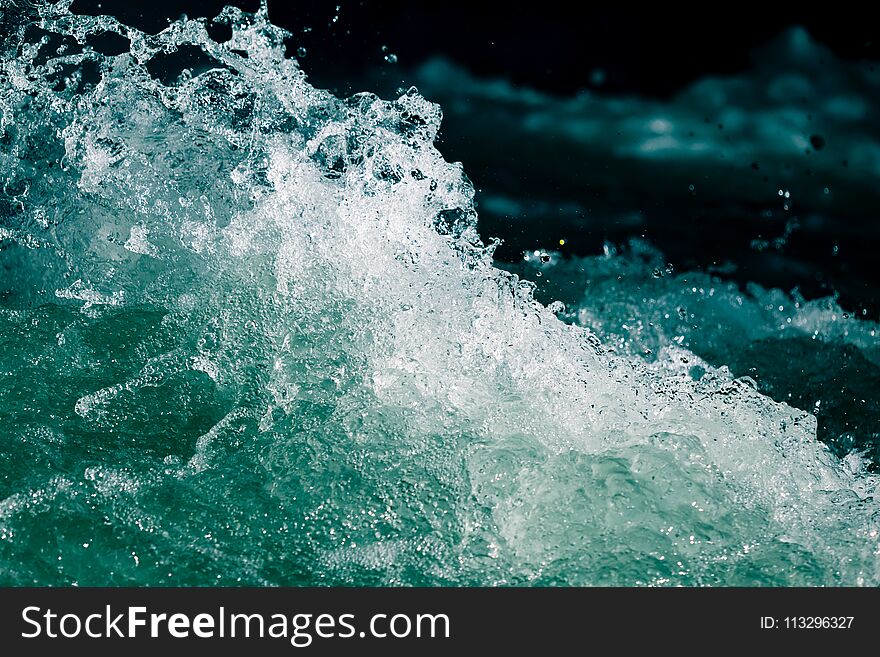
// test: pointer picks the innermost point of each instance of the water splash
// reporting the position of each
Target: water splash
(251, 335)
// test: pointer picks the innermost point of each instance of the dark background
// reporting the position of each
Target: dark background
(653, 52)
(643, 49)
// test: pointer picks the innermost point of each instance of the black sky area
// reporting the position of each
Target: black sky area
(652, 50)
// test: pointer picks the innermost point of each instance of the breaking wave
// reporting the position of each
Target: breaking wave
(250, 335)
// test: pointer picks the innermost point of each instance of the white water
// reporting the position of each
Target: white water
(407, 409)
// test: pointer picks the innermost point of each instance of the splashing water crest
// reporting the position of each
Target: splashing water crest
(250, 335)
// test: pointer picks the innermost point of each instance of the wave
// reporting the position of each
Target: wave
(251, 335)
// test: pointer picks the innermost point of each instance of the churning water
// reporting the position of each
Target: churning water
(249, 334)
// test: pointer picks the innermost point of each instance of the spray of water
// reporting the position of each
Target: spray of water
(251, 334)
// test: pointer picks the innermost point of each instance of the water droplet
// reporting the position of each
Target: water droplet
(301, 52)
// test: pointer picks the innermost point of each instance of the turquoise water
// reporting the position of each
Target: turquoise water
(250, 335)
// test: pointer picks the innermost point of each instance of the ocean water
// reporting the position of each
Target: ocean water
(251, 335)
(771, 172)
